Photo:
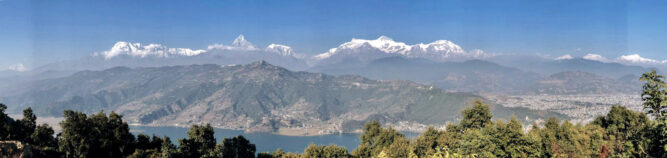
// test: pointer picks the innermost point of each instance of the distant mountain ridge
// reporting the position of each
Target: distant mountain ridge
(468, 76)
(441, 63)
(489, 77)
(253, 96)
(548, 67)
(578, 82)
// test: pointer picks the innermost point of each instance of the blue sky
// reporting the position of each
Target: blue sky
(37, 32)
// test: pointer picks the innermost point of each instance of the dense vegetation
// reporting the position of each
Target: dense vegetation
(620, 133)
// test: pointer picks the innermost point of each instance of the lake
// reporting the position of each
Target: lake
(265, 142)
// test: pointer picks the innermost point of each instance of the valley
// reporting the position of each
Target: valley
(274, 89)
(579, 108)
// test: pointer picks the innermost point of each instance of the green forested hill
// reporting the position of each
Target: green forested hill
(246, 96)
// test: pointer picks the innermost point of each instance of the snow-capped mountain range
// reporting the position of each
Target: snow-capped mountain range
(123, 48)
(383, 46)
(439, 50)
(357, 49)
(240, 51)
(630, 59)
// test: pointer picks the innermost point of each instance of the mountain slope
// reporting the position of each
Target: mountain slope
(547, 67)
(254, 96)
(468, 76)
(578, 82)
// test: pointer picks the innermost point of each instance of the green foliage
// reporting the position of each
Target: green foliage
(475, 142)
(330, 151)
(152, 153)
(375, 138)
(313, 151)
(427, 142)
(335, 151)
(237, 147)
(264, 155)
(199, 142)
(399, 148)
(653, 94)
(4, 123)
(624, 129)
(363, 150)
(146, 146)
(168, 149)
(278, 153)
(510, 139)
(95, 136)
(620, 133)
(21, 130)
(43, 137)
(477, 116)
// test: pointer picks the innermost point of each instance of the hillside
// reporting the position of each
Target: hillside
(468, 76)
(578, 82)
(256, 96)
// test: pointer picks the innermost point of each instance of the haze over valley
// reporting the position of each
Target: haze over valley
(274, 89)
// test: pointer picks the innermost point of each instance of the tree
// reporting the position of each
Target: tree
(43, 137)
(200, 141)
(146, 146)
(510, 139)
(4, 123)
(313, 151)
(278, 153)
(264, 155)
(143, 142)
(20, 130)
(120, 138)
(476, 116)
(335, 151)
(75, 133)
(168, 149)
(626, 130)
(427, 142)
(653, 94)
(371, 130)
(95, 136)
(363, 150)
(621, 122)
(376, 138)
(474, 142)
(151, 153)
(330, 151)
(236, 147)
(399, 148)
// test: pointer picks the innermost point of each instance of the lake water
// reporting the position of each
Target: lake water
(263, 141)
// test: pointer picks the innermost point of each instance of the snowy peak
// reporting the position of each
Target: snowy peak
(631, 59)
(139, 50)
(595, 57)
(635, 58)
(17, 67)
(241, 42)
(439, 47)
(565, 57)
(280, 49)
(383, 43)
(438, 50)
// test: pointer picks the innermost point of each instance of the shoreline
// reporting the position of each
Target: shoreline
(281, 131)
